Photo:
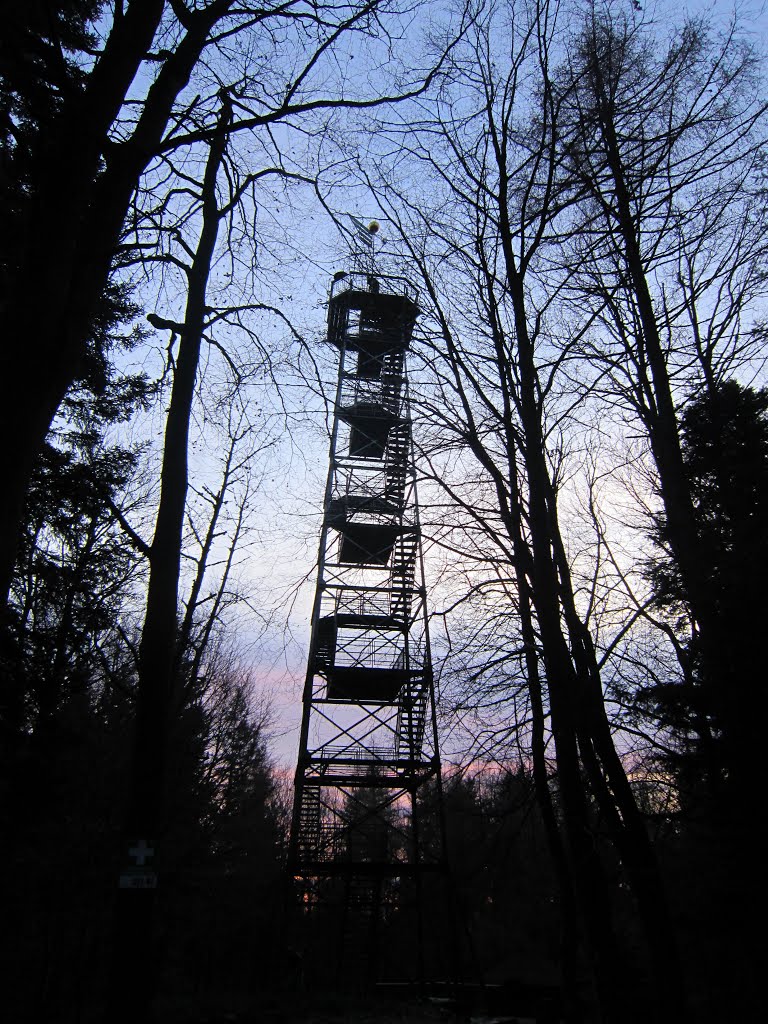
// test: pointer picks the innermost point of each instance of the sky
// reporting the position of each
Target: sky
(276, 570)
(287, 672)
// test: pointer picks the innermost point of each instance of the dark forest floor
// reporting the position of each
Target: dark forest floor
(342, 1008)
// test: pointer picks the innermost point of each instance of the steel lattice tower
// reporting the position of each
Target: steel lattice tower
(365, 828)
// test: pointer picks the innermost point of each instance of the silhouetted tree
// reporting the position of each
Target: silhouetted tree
(498, 361)
(724, 437)
(73, 578)
(88, 108)
(714, 711)
(661, 142)
(221, 904)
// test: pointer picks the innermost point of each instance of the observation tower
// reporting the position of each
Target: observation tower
(366, 824)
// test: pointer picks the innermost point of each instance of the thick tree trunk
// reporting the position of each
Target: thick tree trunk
(613, 792)
(135, 955)
(581, 982)
(576, 701)
(580, 997)
(590, 884)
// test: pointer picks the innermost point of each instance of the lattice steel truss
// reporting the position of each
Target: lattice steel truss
(363, 820)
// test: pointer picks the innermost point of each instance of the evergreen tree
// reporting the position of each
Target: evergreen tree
(714, 712)
(715, 715)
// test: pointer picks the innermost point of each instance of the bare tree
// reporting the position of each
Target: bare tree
(164, 640)
(661, 147)
(499, 368)
(108, 118)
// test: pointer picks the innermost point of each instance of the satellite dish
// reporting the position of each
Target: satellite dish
(373, 227)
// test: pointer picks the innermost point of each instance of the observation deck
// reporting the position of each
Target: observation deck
(371, 314)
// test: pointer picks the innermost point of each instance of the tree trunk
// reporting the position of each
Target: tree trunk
(576, 698)
(661, 419)
(135, 953)
(580, 996)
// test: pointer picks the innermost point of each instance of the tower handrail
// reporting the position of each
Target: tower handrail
(355, 281)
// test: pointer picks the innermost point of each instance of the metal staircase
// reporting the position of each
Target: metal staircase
(309, 827)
